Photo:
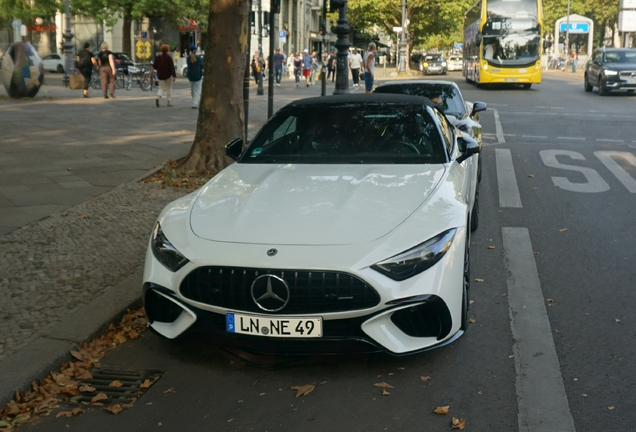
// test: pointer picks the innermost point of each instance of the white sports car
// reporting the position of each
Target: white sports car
(343, 226)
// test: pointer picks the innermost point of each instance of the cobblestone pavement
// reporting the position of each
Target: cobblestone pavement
(50, 268)
(61, 151)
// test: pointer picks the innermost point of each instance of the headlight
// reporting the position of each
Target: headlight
(425, 64)
(165, 253)
(485, 66)
(444, 64)
(418, 259)
(610, 72)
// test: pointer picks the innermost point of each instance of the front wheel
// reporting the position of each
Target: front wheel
(588, 87)
(602, 91)
(474, 214)
(95, 81)
(145, 83)
(60, 68)
(120, 80)
(466, 286)
(185, 72)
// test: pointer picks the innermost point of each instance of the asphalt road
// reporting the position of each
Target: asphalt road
(557, 201)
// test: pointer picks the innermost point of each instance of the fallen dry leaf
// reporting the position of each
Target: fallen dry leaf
(73, 413)
(458, 423)
(170, 390)
(491, 247)
(146, 384)
(77, 355)
(472, 320)
(116, 383)
(479, 280)
(382, 385)
(531, 176)
(442, 410)
(549, 300)
(115, 409)
(303, 390)
(99, 397)
(83, 217)
(425, 378)
(87, 389)
(611, 408)
(563, 230)
(385, 393)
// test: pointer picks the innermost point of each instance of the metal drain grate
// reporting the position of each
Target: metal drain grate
(130, 389)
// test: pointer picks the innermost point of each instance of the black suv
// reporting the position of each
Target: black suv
(611, 69)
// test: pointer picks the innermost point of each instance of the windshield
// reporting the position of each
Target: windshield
(620, 57)
(348, 134)
(446, 97)
(511, 36)
(434, 58)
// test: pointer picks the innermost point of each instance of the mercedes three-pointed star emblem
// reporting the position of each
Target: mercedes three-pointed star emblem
(270, 293)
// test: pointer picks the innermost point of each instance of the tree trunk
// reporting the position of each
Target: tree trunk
(221, 115)
(126, 32)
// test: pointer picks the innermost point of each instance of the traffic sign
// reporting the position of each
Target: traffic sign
(143, 50)
(144, 35)
(397, 29)
(282, 34)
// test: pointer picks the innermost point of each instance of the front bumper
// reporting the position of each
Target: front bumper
(618, 84)
(432, 70)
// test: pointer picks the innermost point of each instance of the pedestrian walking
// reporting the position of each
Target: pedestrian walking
(195, 75)
(314, 68)
(257, 67)
(331, 66)
(307, 62)
(369, 68)
(85, 63)
(298, 68)
(355, 62)
(107, 71)
(574, 59)
(164, 65)
(278, 66)
(290, 65)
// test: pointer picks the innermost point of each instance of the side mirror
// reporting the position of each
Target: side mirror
(467, 148)
(478, 107)
(478, 38)
(234, 148)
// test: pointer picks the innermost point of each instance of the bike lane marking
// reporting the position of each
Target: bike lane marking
(507, 180)
(541, 398)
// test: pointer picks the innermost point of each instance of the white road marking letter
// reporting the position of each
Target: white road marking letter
(607, 157)
(595, 182)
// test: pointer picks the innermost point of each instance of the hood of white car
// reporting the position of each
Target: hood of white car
(310, 204)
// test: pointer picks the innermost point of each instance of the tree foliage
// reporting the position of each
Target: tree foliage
(26, 10)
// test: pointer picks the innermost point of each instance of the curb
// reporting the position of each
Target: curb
(49, 351)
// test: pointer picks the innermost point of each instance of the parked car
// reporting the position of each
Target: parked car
(122, 61)
(53, 63)
(611, 69)
(433, 64)
(448, 98)
(343, 226)
(455, 63)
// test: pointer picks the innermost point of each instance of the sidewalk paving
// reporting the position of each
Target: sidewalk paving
(74, 219)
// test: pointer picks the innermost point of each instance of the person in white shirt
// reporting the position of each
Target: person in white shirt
(355, 61)
(369, 68)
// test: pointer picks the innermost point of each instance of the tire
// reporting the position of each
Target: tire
(602, 91)
(145, 83)
(120, 80)
(95, 84)
(474, 214)
(60, 68)
(185, 72)
(586, 85)
(527, 86)
(466, 286)
(479, 169)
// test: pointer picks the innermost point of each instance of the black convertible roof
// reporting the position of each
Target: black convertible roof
(361, 99)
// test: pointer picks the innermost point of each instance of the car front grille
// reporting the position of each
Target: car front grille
(627, 74)
(311, 292)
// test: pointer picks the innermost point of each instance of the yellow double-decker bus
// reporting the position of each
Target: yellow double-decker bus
(502, 42)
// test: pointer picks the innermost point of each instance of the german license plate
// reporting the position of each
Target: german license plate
(283, 327)
(631, 81)
(512, 79)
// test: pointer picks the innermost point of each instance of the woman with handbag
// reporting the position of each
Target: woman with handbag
(164, 65)
(85, 62)
(107, 71)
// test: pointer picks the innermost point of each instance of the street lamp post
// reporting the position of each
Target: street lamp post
(68, 44)
(403, 39)
(342, 45)
(321, 51)
(567, 33)
(259, 78)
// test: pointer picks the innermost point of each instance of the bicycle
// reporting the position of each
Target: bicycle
(97, 84)
(148, 81)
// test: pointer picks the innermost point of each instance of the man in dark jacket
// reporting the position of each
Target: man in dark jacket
(164, 65)
(195, 75)
(85, 62)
